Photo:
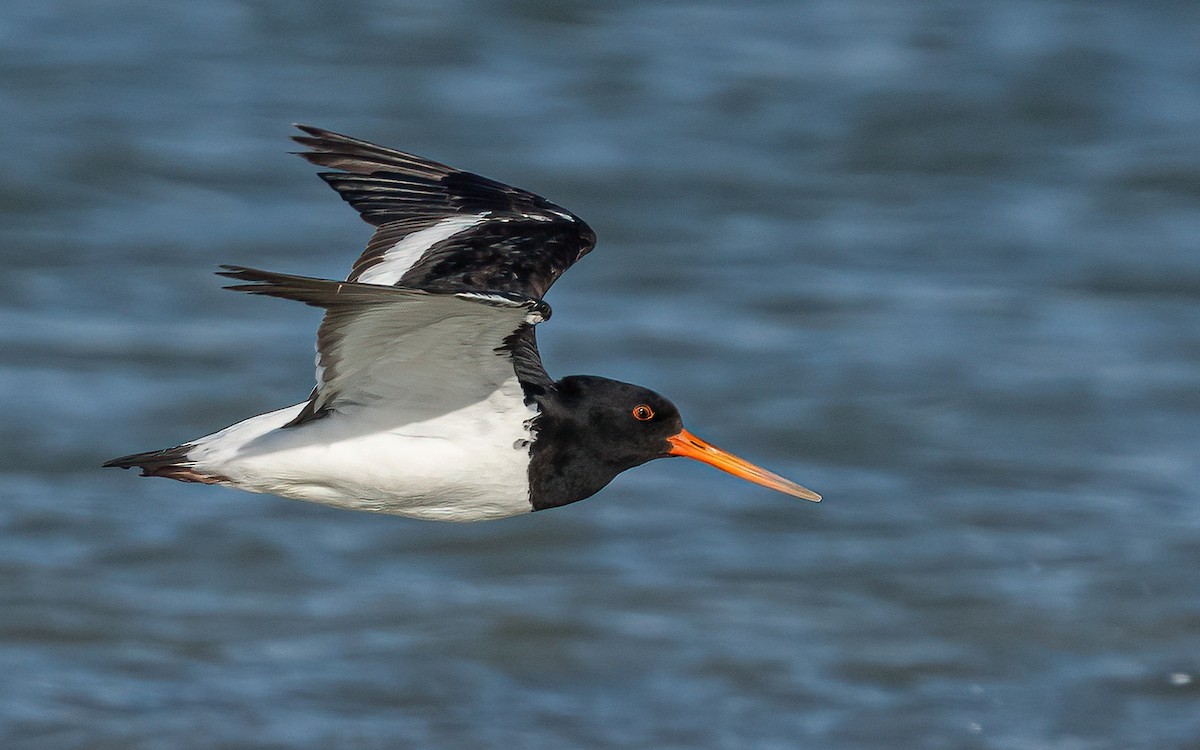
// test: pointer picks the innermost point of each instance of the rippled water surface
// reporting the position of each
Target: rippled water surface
(939, 261)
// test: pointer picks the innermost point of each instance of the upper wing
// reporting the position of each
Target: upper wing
(445, 229)
(403, 352)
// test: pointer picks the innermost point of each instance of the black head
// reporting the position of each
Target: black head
(590, 429)
(602, 427)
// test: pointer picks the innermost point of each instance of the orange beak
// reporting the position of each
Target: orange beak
(687, 444)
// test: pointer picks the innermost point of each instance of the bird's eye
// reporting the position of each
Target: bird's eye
(642, 413)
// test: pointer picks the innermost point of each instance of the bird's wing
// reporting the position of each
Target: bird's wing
(444, 229)
(403, 353)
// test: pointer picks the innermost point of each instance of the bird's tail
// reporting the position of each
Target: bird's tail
(171, 463)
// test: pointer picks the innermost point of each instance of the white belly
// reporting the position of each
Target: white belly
(467, 465)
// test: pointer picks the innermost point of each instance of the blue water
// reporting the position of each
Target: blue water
(939, 261)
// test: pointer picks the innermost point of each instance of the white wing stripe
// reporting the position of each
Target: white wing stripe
(401, 256)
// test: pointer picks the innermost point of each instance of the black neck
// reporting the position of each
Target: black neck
(568, 461)
(563, 468)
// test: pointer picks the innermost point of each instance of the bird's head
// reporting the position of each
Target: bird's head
(620, 425)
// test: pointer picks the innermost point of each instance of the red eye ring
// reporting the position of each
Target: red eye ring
(643, 413)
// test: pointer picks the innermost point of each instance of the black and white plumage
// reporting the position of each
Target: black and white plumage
(431, 399)
(443, 228)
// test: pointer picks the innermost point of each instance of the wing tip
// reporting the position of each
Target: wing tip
(269, 283)
(243, 273)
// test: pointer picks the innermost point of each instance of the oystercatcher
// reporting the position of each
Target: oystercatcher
(431, 399)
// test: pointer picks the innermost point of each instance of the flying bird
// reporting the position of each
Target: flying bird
(431, 399)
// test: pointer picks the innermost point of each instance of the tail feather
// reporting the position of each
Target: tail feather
(171, 463)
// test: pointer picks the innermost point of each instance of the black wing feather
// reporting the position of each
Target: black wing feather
(521, 243)
(496, 255)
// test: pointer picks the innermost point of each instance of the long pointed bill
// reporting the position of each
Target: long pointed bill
(688, 445)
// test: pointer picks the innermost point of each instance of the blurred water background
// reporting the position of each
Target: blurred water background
(936, 260)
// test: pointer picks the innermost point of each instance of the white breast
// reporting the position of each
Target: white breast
(469, 464)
